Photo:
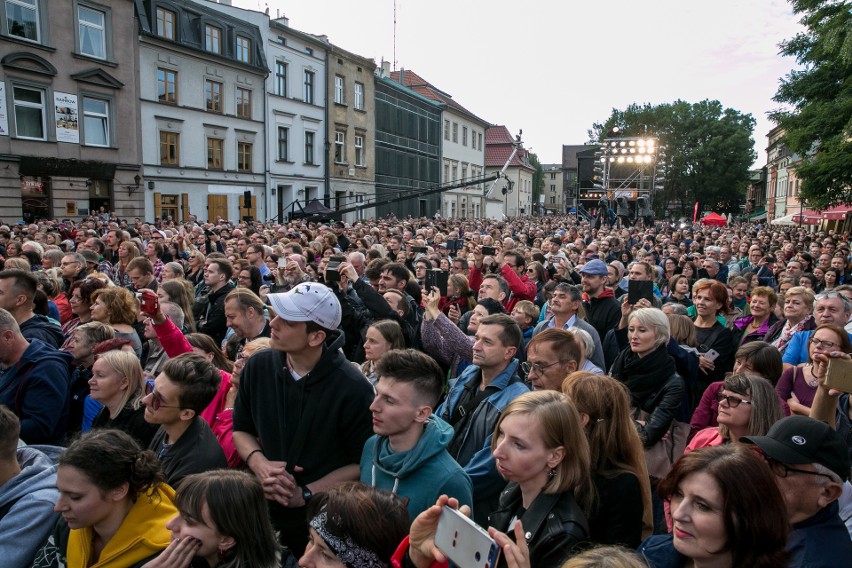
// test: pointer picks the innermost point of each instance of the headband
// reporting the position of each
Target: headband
(347, 551)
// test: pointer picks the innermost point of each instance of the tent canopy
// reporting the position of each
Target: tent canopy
(714, 219)
(314, 210)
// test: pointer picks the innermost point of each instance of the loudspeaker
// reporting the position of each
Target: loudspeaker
(246, 200)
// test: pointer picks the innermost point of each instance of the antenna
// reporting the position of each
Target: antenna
(394, 35)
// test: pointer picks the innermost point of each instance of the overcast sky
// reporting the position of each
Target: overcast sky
(554, 68)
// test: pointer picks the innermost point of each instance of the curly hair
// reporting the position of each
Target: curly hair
(120, 304)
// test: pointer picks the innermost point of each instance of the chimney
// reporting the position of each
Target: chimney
(402, 75)
(385, 68)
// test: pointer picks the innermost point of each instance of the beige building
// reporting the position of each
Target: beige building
(351, 131)
(68, 75)
(552, 194)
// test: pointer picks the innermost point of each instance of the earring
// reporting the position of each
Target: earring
(552, 473)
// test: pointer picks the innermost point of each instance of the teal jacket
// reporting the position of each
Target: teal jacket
(422, 474)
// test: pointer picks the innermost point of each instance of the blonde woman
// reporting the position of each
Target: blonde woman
(117, 384)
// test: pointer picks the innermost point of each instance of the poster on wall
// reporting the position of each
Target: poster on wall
(67, 125)
(4, 119)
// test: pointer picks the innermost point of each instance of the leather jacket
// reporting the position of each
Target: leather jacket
(554, 526)
(662, 408)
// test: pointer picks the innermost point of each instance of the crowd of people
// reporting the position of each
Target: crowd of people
(313, 393)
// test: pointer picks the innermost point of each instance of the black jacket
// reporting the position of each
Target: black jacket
(319, 423)
(39, 327)
(215, 325)
(196, 451)
(554, 526)
(603, 313)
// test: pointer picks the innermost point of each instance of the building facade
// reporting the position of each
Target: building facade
(408, 150)
(69, 110)
(778, 159)
(553, 198)
(351, 132)
(515, 191)
(202, 94)
(462, 149)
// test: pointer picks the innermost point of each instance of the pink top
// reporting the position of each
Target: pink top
(216, 414)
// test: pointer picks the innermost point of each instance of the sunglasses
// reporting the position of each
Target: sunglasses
(733, 401)
(156, 398)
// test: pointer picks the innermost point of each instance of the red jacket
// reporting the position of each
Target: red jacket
(521, 287)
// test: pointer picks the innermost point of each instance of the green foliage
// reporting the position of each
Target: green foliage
(817, 122)
(538, 178)
(708, 148)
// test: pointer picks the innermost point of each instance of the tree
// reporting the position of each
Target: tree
(538, 179)
(818, 127)
(708, 148)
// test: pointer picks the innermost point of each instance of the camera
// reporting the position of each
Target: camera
(437, 278)
(332, 270)
(419, 249)
(453, 245)
(489, 251)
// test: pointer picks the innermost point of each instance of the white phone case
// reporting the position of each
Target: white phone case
(464, 542)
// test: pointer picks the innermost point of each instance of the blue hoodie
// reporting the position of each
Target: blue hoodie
(30, 497)
(422, 474)
(41, 402)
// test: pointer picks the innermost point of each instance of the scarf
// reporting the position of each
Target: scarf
(643, 376)
(787, 333)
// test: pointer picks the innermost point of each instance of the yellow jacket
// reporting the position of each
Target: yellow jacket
(142, 534)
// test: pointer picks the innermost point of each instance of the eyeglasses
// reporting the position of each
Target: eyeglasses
(733, 401)
(820, 343)
(537, 367)
(531, 270)
(783, 470)
(156, 398)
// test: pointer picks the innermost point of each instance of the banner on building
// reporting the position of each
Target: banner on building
(4, 118)
(695, 213)
(67, 124)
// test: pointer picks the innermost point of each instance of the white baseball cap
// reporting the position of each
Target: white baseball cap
(308, 302)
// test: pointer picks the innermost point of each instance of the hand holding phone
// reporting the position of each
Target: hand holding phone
(464, 542)
(149, 303)
(839, 375)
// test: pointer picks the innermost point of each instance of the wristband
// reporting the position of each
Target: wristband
(251, 453)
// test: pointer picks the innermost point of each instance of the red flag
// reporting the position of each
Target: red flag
(695, 213)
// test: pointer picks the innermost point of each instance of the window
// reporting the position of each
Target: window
(339, 90)
(165, 23)
(214, 153)
(92, 32)
(167, 86)
(30, 113)
(339, 147)
(213, 95)
(446, 130)
(553, 200)
(243, 49)
(213, 39)
(360, 157)
(309, 147)
(95, 122)
(243, 103)
(480, 141)
(169, 149)
(283, 143)
(359, 96)
(244, 156)
(281, 78)
(464, 135)
(464, 171)
(552, 187)
(446, 172)
(309, 87)
(455, 171)
(22, 19)
(456, 132)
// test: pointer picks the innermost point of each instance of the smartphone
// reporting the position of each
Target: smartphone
(464, 542)
(282, 262)
(839, 375)
(638, 290)
(439, 278)
(711, 355)
(489, 251)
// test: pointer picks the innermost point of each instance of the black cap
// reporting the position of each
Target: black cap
(800, 440)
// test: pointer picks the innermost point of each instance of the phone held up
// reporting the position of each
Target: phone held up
(464, 542)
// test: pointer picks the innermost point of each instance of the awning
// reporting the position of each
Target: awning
(785, 220)
(837, 213)
(756, 214)
(807, 218)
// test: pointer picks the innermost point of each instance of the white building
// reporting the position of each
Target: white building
(295, 112)
(202, 77)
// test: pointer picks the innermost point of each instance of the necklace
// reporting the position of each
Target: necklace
(814, 382)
